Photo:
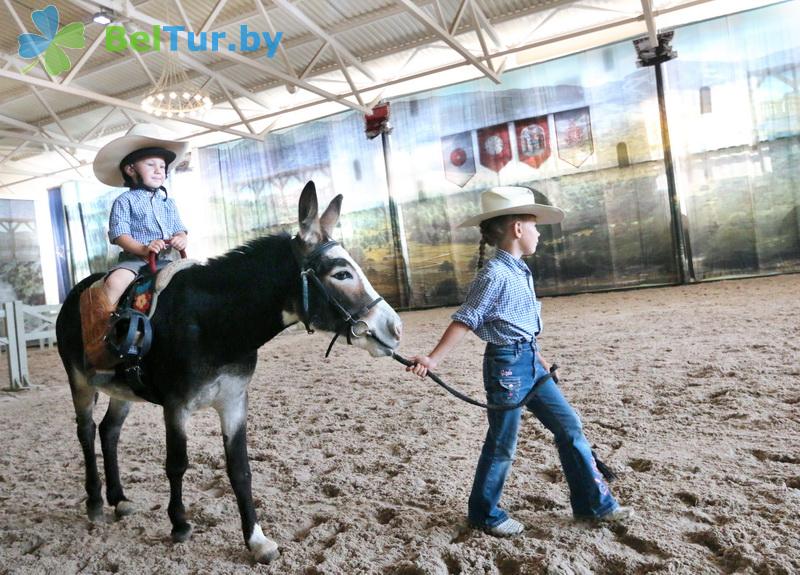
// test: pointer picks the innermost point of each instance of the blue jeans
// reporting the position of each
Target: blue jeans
(509, 372)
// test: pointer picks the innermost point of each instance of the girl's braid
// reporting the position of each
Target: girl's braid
(492, 231)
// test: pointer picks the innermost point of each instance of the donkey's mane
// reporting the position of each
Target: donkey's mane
(267, 258)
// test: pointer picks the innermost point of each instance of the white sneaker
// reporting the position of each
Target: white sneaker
(507, 528)
(619, 514)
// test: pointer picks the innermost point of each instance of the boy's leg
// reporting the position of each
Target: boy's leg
(97, 305)
(507, 380)
(116, 282)
(588, 490)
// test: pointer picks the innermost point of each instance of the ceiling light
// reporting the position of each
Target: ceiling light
(175, 95)
(102, 17)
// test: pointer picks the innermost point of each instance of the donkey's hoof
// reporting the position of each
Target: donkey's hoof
(123, 509)
(181, 534)
(95, 512)
(264, 550)
(266, 553)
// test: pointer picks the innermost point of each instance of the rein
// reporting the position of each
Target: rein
(152, 257)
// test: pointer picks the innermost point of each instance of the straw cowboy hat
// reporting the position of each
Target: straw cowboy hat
(506, 200)
(108, 160)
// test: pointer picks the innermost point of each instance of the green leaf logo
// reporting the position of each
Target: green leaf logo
(51, 41)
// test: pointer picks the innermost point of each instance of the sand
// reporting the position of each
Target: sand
(692, 394)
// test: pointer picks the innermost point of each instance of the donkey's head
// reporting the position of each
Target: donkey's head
(337, 297)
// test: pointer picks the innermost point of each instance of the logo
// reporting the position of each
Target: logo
(118, 39)
(51, 41)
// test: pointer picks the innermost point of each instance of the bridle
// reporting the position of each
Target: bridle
(351, 323)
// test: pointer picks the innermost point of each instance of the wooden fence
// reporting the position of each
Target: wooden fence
(21, 324)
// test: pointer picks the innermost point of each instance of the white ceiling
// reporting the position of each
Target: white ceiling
(334, 55)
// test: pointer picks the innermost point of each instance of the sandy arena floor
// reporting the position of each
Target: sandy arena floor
(691, 393)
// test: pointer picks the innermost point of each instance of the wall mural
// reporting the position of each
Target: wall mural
(20, 260)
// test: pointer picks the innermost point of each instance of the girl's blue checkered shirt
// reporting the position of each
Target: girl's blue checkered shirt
(501, 306)
(144, 216)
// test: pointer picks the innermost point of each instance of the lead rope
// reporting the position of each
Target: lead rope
(487, 406)
(604, 469)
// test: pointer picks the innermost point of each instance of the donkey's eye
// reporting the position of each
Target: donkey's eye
(342, 276)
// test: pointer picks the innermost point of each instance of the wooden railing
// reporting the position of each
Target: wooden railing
(22, 324)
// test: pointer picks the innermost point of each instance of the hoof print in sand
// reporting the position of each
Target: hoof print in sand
(385, 515)
(641, 465)
(689, 499)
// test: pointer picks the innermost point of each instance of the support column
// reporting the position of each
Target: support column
(655, 56)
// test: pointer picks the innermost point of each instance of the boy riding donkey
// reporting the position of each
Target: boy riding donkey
(143, 220)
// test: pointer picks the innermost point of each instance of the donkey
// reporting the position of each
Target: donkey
(208, 325)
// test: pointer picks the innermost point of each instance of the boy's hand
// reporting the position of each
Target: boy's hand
(155, 246)
(422, 363)
(178, 241)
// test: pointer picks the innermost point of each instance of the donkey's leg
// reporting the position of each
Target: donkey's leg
(109, 437)
(175, 422)
(83, 399)
(233, 417)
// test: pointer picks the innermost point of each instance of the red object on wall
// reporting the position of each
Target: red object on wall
(458, 158)
(494, 146)
(533, 140)
(377, 122)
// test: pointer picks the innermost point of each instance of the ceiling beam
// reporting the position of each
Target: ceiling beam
(313, 61)
(48, 174)
(10, 154)
(131, 28)
(211, 74)
(88, 134)
(236, 108)
(347, 77)
(270, 71)
(319, 32)
(483, 22)
(446, 67)
(49, 108)
(457, 18)
(46, 140)
(83, 59)
(184, 15)
(213, 15)
(217, 67)
(281, 48)
(449, 39)
(22, 29)
(18, 123)
(110, 100)
(222, 79)
(481, 39)
(649, 20)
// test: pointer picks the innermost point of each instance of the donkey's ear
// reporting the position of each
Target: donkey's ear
(307, 213)
(328, 219)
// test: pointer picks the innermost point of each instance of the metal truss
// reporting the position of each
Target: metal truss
(466, 22)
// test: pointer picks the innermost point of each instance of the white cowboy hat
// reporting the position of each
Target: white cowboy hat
(506, 200)
(107, 161)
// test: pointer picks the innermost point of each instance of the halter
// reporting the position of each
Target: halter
(357, 326)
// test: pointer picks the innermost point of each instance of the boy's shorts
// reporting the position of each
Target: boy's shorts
(130, 262)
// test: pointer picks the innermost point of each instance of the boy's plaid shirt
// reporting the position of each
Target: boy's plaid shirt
(144, 216)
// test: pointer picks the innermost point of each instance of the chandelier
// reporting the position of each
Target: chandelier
(174, 95)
